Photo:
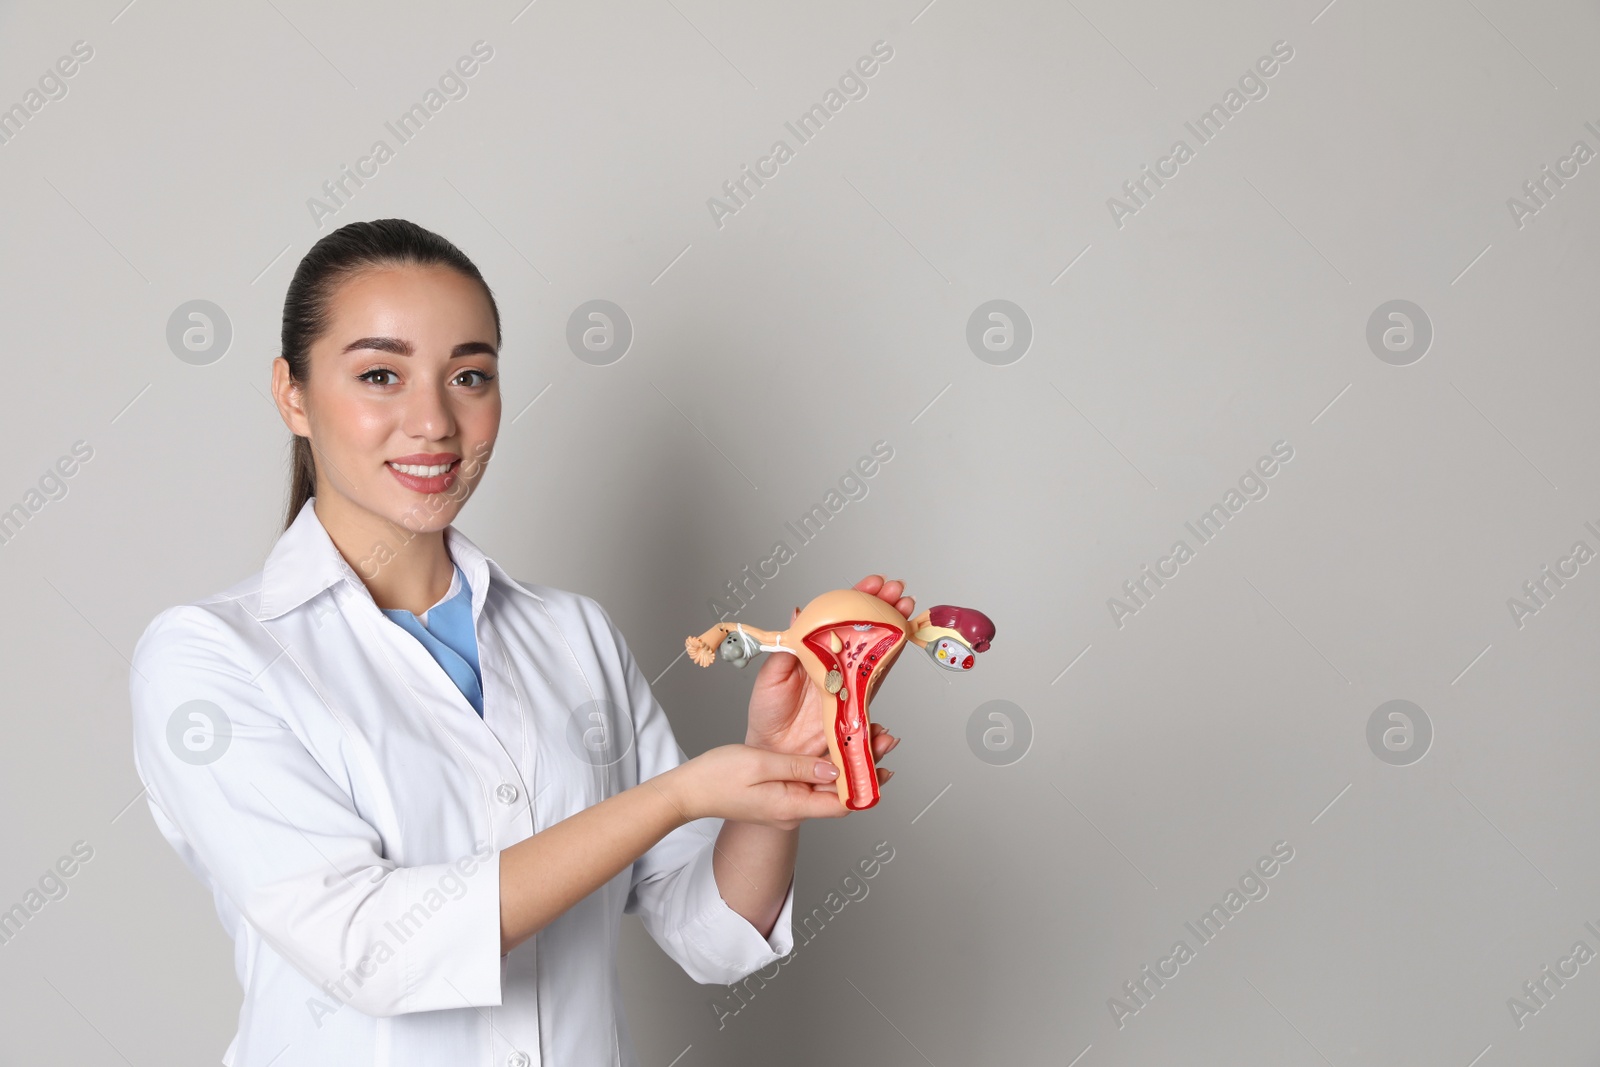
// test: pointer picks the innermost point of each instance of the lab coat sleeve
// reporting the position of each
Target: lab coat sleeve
(674, 889)
(283, 841)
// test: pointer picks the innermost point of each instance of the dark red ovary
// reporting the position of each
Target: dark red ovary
(976, 628)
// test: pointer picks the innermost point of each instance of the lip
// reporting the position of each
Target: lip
(438, 483)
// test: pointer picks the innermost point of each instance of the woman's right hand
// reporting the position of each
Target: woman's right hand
(741, 783)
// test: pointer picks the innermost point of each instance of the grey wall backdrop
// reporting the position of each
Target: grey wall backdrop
(1351, 320)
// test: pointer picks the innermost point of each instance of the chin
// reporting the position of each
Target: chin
(418, 512)
(427, 514)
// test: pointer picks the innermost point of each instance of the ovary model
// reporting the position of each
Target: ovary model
(847, 640)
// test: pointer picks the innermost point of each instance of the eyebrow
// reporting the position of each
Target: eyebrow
(400, 347)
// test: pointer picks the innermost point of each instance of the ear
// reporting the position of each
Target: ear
(288, 396)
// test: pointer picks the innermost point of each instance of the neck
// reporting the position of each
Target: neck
(401, 568)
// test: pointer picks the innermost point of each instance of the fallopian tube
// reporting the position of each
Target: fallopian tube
(847, 640)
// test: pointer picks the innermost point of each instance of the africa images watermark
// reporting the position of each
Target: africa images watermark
(405, 127)
(423, 510)
(52, 486)
(1538, 992)
(1252, 486)
(1252, 887)
(1141, 188)
(52, 887)
(1540, 190)
(52, 86)
(852, 486)
(854, 889)
(450, 887)
(852, 86)
(1542, 588)
(426, 508)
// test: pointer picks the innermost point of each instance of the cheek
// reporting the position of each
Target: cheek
(366, 426)
(484, 416)
(351, 430)
(356, 428)
(479, 424)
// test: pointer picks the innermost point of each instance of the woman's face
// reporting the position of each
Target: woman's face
(403, 400)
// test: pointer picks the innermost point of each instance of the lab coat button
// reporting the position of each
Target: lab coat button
(508, 795)
(518, 1059)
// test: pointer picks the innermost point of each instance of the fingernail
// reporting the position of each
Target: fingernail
(887, 775)
(893, 743)
(827, 771)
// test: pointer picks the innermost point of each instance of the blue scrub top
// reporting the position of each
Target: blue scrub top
(450, 639)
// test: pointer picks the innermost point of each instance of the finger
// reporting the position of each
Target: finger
(890, 593)
(905, 605)
(797, 767)
(775, 670)
(878, 728)
(884, 776)
(883, 744)
(871, 583)
(820, 804)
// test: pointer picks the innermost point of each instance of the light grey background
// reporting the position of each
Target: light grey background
(1229, 313)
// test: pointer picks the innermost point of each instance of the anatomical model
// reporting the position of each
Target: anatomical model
(847, 640)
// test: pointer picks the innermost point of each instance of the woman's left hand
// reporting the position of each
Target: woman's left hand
(786, 713)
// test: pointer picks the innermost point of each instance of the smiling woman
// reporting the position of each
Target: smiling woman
(421, 292)
(370, 736)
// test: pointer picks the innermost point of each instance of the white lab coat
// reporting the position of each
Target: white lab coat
(320, 773)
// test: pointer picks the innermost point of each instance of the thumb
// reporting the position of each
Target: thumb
(799, 767)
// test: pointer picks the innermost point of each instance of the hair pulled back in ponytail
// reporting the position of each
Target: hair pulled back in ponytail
(350, 250)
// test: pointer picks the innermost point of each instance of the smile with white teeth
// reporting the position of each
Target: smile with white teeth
(420, 471)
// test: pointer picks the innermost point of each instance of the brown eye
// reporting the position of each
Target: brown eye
(376, 370)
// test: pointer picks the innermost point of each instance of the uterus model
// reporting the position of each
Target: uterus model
(847, 640)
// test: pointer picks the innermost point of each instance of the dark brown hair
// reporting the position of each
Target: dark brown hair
(347, 251)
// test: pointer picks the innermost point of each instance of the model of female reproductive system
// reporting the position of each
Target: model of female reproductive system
(847, 640)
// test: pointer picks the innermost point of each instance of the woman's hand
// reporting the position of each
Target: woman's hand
(786, 711)
(739, 783)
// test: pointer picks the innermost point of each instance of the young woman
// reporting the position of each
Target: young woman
(422, 793)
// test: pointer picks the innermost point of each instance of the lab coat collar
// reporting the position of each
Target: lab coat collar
(305, 561)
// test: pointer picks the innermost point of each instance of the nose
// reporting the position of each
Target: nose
(428, 415)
